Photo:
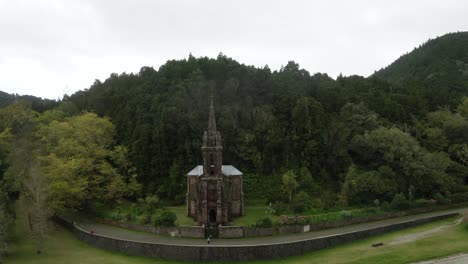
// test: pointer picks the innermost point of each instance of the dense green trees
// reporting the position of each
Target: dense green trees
(6, 223)
(354, 138)
(289, 120)
(51, 161)
(405, 161)
(82, 163)
(17, 148)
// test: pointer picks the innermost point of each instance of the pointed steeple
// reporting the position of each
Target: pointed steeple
(211, 118)
(212, 147)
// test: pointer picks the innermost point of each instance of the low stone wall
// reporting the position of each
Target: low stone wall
(290, 229)
(231, 231)
(191, 231)
(280, 230)
(241, 231)
(180, 231)
(258, 231)
(204, 252)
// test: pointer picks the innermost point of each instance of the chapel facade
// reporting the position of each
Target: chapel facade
(214, 190)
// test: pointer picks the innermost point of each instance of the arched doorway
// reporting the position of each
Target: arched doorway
(212, 216)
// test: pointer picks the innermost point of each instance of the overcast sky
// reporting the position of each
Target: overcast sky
(52, 47)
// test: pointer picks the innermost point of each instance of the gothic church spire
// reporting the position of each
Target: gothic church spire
(211, 119)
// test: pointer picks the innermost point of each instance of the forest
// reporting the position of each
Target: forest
(296, 136)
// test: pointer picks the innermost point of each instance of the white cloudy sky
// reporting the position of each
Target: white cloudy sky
(48, 47)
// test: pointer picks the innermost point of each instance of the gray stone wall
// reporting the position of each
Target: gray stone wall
(290, 229)
(204, 252)
(260, 231)
(191, 231)
(231, 231)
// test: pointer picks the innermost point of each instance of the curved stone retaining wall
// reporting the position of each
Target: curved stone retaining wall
(212, 252)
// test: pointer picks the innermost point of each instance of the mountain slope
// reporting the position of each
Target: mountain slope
(443, 57)
(37, 103)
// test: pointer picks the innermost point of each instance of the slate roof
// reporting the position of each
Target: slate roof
(227, 170)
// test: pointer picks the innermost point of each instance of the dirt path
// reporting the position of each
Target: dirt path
(422, 234)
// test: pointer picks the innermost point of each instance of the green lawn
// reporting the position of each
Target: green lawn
(252, 214)
(63, 247)
(181, 213)
(254, 210)
(128, 208)
(450, 241)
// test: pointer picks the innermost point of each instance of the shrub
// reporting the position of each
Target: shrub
(136, 209)
(301, 203)
(399, 202)
(116, 216)
(329, 200)
(150, 203)
(264, 222)
(165, 218)
(420, 203)
(441, 199)
(129, 217)
(459, 197)
(386, 206)
(143, 219)
(154, 219)
(279, 208)
(317, 203)
(369, 210)
(99, 210)
(346, 215)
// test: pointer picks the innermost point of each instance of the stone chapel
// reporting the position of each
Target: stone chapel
(215, 193)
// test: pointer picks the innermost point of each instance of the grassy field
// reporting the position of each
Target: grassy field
(450, 241)
(255, 210)
(63, 247)
(181, 213)
(252, 214)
